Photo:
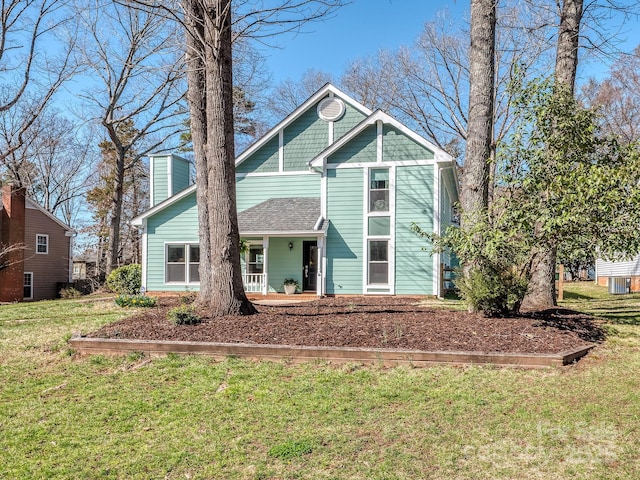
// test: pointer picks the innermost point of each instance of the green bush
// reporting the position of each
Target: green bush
(125, 300)
(126, 279)
(491, 292)
(188, 298)
(184, 315)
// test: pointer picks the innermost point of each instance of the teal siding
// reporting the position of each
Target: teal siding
(176, 223)
(181, 174)
(251, 191)
(160, 179)
(304, 139)
(264, 160)
(284, 263)
(414, 203)
(396, 146)
(361, 148)
(345, 235)
(350, 119)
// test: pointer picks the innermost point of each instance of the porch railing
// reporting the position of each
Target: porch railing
(253, 282)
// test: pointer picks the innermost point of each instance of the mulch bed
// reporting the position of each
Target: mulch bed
(372, 322)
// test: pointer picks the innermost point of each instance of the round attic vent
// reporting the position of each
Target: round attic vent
(331, 109)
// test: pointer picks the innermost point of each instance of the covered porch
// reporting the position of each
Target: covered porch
(284, 239)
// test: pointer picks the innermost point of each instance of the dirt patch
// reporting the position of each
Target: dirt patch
(373, 322)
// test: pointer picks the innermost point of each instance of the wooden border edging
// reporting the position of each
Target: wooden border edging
(387, 357)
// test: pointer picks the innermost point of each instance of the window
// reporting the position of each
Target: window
(183, 263)
(256, 260)
(378, 262)
(28, 285)
(42, 243)
(379, 190)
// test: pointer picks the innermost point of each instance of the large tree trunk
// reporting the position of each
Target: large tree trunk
(475, 180)
(542, 292)
(116, 215)
(211, 103)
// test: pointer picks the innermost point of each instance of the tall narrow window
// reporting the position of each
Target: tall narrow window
(42, 243)
(28, 285)
(194, 263)
(379, 190)
(378, 262)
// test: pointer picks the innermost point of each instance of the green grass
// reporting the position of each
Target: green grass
(192, 417)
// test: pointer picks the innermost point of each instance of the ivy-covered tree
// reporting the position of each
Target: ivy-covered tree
(134, 201)
(591, 184)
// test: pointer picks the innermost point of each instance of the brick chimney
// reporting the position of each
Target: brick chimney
(12, 235)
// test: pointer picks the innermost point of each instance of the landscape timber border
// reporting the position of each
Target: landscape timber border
(337, 355)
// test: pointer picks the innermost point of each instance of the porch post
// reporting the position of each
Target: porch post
(265, 278)
(321, 267)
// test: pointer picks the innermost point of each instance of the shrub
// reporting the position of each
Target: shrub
(69, 292)
(125, 300)
(188, 298)
(126, 279)
(493, 293)
(184, 315)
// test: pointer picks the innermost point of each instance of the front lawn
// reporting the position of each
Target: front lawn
(191, 417)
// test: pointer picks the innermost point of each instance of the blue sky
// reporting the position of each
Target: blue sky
(365, 26)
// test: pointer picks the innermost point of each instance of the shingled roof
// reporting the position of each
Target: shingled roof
(283, 215)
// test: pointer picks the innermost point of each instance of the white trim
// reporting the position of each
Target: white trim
(324, 91)
(169, 176)
(45, 235)
(379, 138)
(34, 206)
(439, 155)
(144, 253)
(324, 191)
(186, 244)
(265, 264)
(162, 205)
(275, 174)
(436, 228)
(151, 180)
(322, 261)
(280, 151)
(293, 233)
(402, 163)
(390, 238)
(23, 285)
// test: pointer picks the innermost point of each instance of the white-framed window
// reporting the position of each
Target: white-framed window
(378, 262)
(255, 259)
(28, 286)
(379, 230)
(378, 190)
(42, 243)
(182, 263)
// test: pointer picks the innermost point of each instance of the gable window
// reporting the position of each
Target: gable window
(28, 286)
(379, 190)
(42, 243)
(182, 263)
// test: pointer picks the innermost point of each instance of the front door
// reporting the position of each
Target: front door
(309, 265)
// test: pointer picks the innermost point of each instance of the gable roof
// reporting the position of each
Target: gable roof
(283, 215)
(439, 154)
(35, 206)
(327, 89)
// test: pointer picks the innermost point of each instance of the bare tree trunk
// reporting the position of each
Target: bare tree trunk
(542, 291)
(475, 180)
(211, 104)
(116, 215)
